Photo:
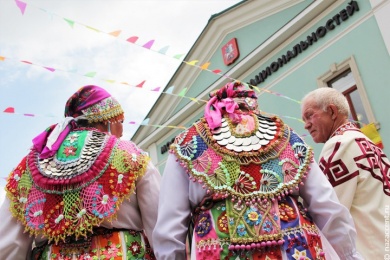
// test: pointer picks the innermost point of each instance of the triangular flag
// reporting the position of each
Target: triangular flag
(115, 33)
(132, 39)
(70, 22)
(156, 89)
(217, 71)
(178, 56)
(9, 110)
(205, 66)
(195, 100)
(169, 90)
(140, 84)
(25, 61)
(183, 92)
(28, 114)
(125, 83)
(256, 88)
(2, 58)
(163, 50)
(90, 74)
(50, 69)
(91, 28)
(132, 123)
(145, 122)
(110, 80)
(21, 5)
(193, 62)
(149, 44)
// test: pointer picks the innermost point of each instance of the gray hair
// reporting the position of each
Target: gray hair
(325, 96)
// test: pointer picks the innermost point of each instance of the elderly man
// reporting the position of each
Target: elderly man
(357, 169)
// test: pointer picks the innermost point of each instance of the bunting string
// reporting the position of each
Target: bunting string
(169, 91)
(148, 45)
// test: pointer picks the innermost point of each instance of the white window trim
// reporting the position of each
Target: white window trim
(337, 69)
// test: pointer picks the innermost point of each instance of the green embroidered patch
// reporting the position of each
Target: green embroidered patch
(72, 146)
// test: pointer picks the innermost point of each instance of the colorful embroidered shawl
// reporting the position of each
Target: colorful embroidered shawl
(78, 188)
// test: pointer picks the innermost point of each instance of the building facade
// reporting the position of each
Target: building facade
(284, 48)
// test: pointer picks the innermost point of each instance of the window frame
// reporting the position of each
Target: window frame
(337, 69)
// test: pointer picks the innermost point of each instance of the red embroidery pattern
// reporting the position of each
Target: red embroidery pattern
(374, 161)
(336, 171)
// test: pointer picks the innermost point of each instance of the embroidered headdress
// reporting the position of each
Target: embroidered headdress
(227, 100)
(90, 103)
(95, 104)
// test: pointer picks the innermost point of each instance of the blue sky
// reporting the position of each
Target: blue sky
(43, 37)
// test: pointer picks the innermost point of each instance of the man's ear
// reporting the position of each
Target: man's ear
(333, 111)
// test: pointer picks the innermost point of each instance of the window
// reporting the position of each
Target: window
(345, 78)
(345, 83)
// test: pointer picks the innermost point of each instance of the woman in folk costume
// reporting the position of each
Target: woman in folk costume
(81, 192)
(238, 177)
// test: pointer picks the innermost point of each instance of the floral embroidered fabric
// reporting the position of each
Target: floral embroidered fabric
(76, 189)
(257, 178)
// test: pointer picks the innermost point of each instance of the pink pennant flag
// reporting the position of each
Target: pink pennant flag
(2, 58)
(115, 33)
(9, 110)
(21, 5)
(132, 123)
(25, 61)
(132, 39)
(5, 178)
(149, 44)
(28, 114)
(50, 69)
(140, 84)
(156, 89)
(217, 71)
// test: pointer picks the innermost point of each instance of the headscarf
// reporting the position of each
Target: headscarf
(223, 101)
(90, 103)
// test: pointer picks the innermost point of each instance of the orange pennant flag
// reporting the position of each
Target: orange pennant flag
(115, 33)
(205, 66)
(2, 58)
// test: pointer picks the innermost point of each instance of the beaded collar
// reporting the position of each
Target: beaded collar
(268, 139)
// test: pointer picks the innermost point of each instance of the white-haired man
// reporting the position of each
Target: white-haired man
(358, 170)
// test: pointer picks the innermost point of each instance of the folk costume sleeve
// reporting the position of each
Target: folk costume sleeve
(14, 243)
(174, 211)
(330, 216)
(148, 190)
